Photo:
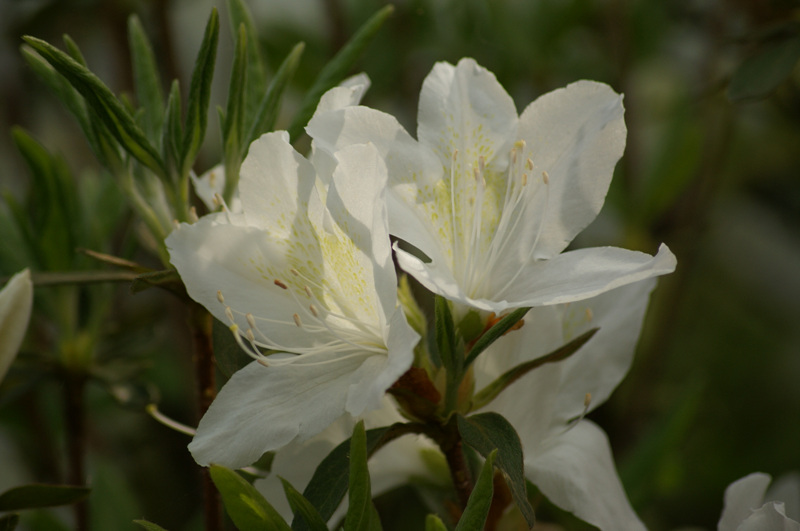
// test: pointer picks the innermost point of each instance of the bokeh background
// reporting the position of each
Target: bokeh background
(712, 168)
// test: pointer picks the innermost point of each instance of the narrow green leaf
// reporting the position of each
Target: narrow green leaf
(267, 113)
(360, 498)
(100, 98)
(302, 508)
(233, 122)
(168, 279)
(149, 526)
(329, 484)
(445, 335)
(200, 94)
(9, 522)
(489, 432)
(490, 392)
(73, 50)
(38, 496)
(256, 78)
(491, 335)
(149, 92)
(245, 505)
(477, 509)
(434, 523)
(337, 68)
(761, 73)
(172, 132)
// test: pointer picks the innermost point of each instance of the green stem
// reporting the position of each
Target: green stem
(75, 419)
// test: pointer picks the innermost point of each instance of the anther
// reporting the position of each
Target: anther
(313, 310)
(176, 224)
(513, 155)
(295, 272)
(220, 201)
(220, 298)
(589, 314)
(251, 321)
(280, 284)
(308, 292)
(481, 163)
(455, 154)
(250, 336)
(229, 314)
(524, 179)
(297, 320)
(193, 215)
(587, 400)
(545, 177)
(529, 164)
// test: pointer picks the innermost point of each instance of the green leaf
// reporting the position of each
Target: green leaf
(480, 500)
(168, 279)
(256, 78)
(149, 526)
(73, 50)
(337, 68)
(487, 432)
(200, 94)
(100, 98)
(761, 73)
(491, 335)
(434, 523)
(172, 132)
(302, 508)
(445, 335)
(267, 113)
(9, 522)
(245, 505)
(149, 92)
(330, 481)
(360, 509)
(233, 124)
(38, 496)
(490, 392)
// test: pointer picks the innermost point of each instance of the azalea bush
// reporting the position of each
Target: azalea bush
(329, 314)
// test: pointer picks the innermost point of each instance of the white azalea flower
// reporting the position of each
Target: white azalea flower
(745, 509)
(568, 459)
(493, 199)
(304, 271)
(16, 301)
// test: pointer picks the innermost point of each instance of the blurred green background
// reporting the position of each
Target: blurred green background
(711, 168)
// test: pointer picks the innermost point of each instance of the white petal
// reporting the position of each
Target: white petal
(577, 135)
(264, 408)
(347, 94)
(16, 301)
(465, 108)
(575, 470)
(741, 497)
(770, 517)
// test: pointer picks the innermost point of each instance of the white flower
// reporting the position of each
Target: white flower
(16, 300)
(493, 199)
(305, 271)
(745, 509)
(568, 459)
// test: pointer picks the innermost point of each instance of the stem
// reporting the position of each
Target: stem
(200, 323)
(453, 451)
(75, 419)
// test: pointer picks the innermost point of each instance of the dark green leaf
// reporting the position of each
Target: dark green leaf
(149, 526)
(233, 124)
(494, 333)
(761, 73)
(168, 279)
(38, 496)
(256, 78)
(245, 505)
(487, 432)
(9, 522)
(267, 113)
(302, 508)
(359, 510)
(477, 509)
(445, 335)
(337, 68)
(73, 50)
(490, 392)
(172, 133)
(200, 94)
(108, 108)
(147, 80)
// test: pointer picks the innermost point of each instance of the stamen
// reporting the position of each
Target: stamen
(545, 177)
(229, 314)
(176, 224)
(589, 314)
(220, 201)
(280, 284)
(153, 411)
(297, 320)
(220, 298)
(529, 164)
(193, 215)
(313, 310)
(250, 320)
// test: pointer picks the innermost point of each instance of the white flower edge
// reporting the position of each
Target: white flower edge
(16, 302)
(745, 510)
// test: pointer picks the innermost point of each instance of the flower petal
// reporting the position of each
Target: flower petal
(741, 497)
(770, 517)
(16, 301)
(576, 134)
(264, 408)
(575, 470)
